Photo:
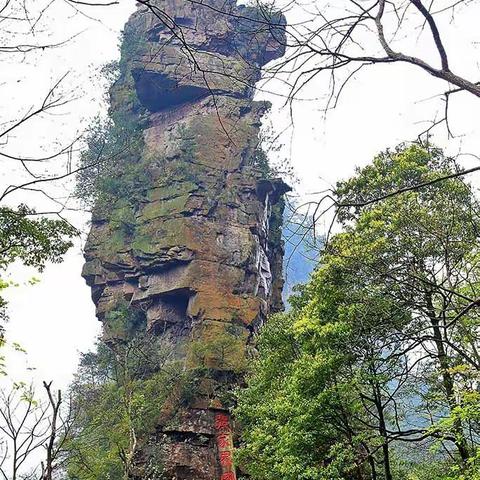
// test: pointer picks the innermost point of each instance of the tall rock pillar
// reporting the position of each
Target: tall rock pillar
(196, 251)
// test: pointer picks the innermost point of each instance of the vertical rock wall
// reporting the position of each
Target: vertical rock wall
(198, 252)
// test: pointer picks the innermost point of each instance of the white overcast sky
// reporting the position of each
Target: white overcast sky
(54, 319)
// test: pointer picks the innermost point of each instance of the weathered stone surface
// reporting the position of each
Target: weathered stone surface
(202, 257)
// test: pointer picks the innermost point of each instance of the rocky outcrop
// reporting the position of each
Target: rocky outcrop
(197, 252)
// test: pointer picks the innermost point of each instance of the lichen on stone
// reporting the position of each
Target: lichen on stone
(186, 222)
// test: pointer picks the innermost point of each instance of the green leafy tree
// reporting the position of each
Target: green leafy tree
(31, 241)
(373, 373)
(120, 394)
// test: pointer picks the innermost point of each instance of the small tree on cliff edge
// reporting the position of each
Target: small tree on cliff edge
(120, 394)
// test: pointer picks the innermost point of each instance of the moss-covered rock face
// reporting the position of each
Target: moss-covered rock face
(196, 250)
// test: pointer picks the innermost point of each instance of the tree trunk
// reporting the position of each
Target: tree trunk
(382, 429)
(447, 379)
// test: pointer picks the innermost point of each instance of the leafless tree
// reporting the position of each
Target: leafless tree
(340, 38)
(26, 32)
(336, 39)
(32, 432)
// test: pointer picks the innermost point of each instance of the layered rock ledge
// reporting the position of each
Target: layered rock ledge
(200, 256)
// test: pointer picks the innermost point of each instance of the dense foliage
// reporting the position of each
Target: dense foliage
(112, 167)
(121, 393)
(373, 373)
(132, 386)
(31, 240)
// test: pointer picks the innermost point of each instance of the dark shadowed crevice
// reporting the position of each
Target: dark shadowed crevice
(169, 308)
(158, 92)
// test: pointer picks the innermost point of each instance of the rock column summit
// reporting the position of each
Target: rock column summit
(198, 254)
